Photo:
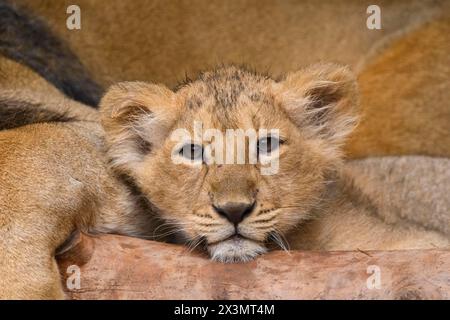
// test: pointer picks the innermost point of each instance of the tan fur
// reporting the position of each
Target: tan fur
(413, 188)
(369, 214)
(405, 96)
(57, 178)
(18, 82)
(53, 182)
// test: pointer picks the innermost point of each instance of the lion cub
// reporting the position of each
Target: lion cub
(167, 156)
(171, 145)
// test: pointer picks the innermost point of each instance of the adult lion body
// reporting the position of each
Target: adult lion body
(53, 182)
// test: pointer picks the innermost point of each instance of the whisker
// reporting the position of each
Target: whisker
(172, 227)
(194, 243)
(280, 240)
(168, 233)
(289, 207)
(285, 241)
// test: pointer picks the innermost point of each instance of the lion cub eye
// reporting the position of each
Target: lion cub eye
(192, 152)
(268, 144)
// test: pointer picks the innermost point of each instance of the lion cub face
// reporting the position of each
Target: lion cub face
(232, 159)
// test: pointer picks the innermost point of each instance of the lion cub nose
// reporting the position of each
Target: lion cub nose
(235, 212)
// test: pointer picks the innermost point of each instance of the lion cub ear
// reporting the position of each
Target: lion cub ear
(321, 100)
(136, 117)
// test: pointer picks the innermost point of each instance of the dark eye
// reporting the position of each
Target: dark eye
(192, 152)
(268, 144)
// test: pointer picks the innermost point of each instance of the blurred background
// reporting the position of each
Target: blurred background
(403, 68)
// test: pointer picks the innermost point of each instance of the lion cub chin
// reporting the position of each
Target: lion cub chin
(235, 249)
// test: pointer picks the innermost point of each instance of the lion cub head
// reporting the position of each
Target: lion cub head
(233, 159)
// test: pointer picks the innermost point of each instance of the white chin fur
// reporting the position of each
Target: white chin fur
(235, 250)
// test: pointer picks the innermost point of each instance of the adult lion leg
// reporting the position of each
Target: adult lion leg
(31, 230)
(28, 273)
(43, 199)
